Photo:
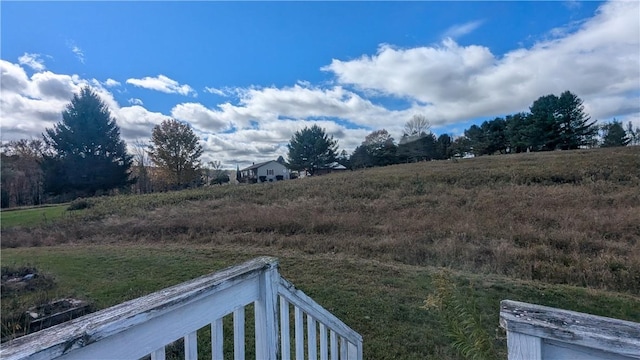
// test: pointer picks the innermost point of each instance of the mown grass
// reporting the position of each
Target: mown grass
(382, 301)
(558, 229)
(32, 216)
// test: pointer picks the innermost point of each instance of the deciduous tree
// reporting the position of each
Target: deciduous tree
(176, 152)
(88, 155)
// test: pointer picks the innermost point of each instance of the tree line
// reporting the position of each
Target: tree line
(552, 123)
(83, 155)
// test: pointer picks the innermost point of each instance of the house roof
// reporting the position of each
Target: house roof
(255, 166)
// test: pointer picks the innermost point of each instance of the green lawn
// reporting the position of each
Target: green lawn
(32, 216)
(382, 301)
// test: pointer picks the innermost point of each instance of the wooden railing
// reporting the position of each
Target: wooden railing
(145, 326)
(537, 332)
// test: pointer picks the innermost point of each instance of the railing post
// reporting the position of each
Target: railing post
(266, 314)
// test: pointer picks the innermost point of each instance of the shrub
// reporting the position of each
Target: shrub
(79, 204)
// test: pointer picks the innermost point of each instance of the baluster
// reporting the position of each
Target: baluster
(285, 341)
(238, 333)
(324, 350)
(344, 355)
(217, 340)
(191, 346)
(334, 345)
(312, 348)
(158, 354)
(299, 334)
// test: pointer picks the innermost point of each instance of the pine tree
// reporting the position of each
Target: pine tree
(311, 149)
(574, 126)
(88, 154)
(614, 135)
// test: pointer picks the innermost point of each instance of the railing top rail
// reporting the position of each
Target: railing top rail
(311, 307)
(598, 332)
(110, 321)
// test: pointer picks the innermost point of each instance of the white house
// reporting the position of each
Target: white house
(264, 172)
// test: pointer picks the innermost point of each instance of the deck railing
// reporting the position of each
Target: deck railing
(537, 332)
(146, 325)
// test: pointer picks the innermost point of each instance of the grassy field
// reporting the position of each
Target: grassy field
(558, 229)
(32, 216)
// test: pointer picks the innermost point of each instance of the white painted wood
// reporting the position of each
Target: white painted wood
(312, 345)
(523, 347)
(285, 340)
(602, 334)
(217, 340)
(266, 324)
(344, 353)
(324, 349)
(238, 334)
(191, 346)
(334, 345)
(309, 306)
(159, 354)
(299, 333)
(138, 327)
(352, 351)
(562, 350)
(144, 326)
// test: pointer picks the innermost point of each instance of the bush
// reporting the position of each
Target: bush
(262, 178)
(79, 204)
(279, 177)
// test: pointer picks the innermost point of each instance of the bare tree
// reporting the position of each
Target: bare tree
(418, 125)
(141, 163)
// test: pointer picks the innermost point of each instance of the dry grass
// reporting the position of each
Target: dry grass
(561, 217)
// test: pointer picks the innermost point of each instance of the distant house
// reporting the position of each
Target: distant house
(264, 172)
(331, 168)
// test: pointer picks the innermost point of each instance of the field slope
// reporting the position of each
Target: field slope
(558, 229)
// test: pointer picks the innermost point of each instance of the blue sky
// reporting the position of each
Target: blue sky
(246, 75)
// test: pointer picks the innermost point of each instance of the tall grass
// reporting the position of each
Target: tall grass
(560, 217)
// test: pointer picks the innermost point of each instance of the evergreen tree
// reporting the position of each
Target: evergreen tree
(614, 135)
(542, 132)
(311, 149)
(573, 125)
(88, 154)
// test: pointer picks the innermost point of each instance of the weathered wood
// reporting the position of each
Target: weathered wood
(523, 347)
(285, 340)
(299, 333)
(312, 346)
(159, 354)
(309, 306)
(191, 346)
(334, 345)
(217, 340)
(266, 323)
(144, 326)
(238, 334)
(125, 324)
(324, 350)
(617, 338)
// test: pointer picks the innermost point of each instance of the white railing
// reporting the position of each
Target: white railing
(145, 326)
(537, 332)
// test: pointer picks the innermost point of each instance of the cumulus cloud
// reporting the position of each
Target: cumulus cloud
(32, 60)
(600, 59)
(134, 101)
(462, 29)
(111, 83)
(164, 84)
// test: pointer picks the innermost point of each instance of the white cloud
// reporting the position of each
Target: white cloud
(212, 90)
(134, 101)
(32, 60)
(163, 84)
(111, 83)
(601, 59)
(459, 30)
(79, 54)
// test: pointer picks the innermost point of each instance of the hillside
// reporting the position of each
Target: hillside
(368, 242)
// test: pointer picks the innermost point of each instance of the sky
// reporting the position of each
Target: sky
(247, 75)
